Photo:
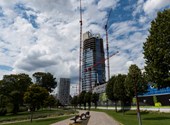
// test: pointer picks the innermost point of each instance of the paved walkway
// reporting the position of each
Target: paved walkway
(96, 118)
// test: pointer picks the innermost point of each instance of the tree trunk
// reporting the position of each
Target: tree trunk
(31, 115)
(116, 106)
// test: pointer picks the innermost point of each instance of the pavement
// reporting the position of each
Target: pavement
(158, 109)
(96, 118)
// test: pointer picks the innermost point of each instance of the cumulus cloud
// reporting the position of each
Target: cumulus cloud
(53, 44)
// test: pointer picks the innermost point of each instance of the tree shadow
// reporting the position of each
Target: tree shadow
(134, 113)
(157, 118)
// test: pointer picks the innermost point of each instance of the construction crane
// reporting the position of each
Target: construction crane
(100, 62)
(107, 44)
(80, 57)
(75, 87)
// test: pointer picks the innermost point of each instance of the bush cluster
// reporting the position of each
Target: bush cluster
(3, 111)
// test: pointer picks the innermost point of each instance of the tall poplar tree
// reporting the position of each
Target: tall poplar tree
(157, 50)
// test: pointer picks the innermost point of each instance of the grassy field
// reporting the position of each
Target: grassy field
(148, 118)
(46, 114)
(46, 121)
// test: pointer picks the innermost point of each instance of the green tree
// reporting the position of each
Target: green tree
(45, 80)
(35, 96)
(157, 50)
(81, 99)
(120, 90)
(13, 87)
(95, 99)
(135, 84)
(50, 101)
(74, 102)
(88, 98)
(109, 91)
(135, 79)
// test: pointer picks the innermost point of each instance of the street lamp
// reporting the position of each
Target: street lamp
(144, 102)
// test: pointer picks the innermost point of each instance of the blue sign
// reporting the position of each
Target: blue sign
(155, 91)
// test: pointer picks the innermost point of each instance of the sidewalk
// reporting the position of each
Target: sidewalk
(96, 118)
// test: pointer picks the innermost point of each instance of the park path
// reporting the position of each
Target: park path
(96, 118)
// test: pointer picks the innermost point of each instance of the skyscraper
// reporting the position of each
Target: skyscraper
(93, 65)
(64, 91)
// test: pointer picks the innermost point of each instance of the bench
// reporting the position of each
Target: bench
(75, 118)
(87, 114)
(82, 115)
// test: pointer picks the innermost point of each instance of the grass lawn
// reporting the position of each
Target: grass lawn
(47, 121)
(37, 114)
(148, 118)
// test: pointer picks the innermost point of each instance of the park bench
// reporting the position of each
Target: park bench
(87, 114)
(75, 118)
(82, 115)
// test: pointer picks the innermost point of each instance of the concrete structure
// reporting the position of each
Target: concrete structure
(162, 95)
(93, 58)
(64, 91)
(100, 88)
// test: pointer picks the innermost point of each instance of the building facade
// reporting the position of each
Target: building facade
(93, 64)
(64, 91)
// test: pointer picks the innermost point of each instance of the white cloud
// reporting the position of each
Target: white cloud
(138, 8)
(151, 6)
(54, 45)
(104, 4)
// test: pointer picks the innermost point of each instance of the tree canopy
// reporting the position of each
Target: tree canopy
(157, 50)
(45, 80)
(110, 87)
(35, 96)
(119, 88)
(95, 99)
(13, 87)
(135, 78)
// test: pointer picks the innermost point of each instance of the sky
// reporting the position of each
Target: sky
(43, 35)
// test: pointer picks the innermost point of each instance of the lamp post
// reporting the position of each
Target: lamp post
(144, 102)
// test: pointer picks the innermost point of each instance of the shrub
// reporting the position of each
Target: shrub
(158, 104)
(3, 111)
(23, 109)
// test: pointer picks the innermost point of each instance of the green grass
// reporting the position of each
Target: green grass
(41, 122)
(38, 114)
(130, 117)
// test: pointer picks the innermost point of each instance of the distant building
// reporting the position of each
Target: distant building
(93, 56)
(64, 91)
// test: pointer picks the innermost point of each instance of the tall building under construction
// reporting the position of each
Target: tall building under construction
(93, 64)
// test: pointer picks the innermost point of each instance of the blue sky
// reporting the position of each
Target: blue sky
(43, 35)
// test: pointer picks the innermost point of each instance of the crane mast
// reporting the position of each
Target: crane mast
(107, 45)
(80, 56)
